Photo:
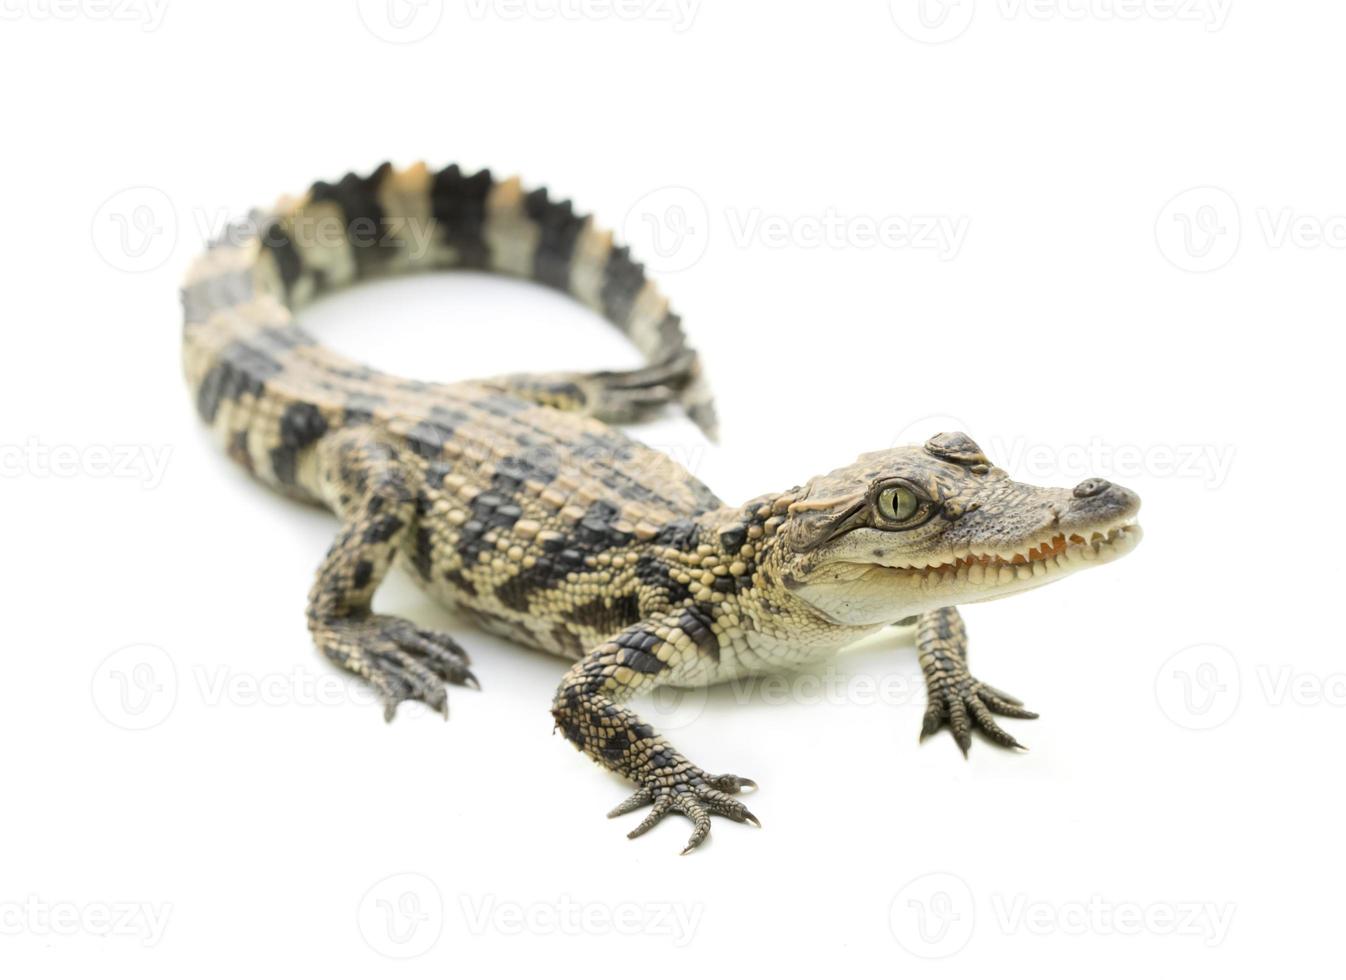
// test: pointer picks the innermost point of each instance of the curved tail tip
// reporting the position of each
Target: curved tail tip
(703, 417)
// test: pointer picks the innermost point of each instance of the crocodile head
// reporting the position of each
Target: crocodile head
(914, 528)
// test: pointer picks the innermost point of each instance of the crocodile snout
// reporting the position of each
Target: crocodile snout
(1099, 499)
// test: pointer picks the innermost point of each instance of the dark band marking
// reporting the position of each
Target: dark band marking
(560, 228)
(491, 511)
(427, 439)
(301, 426)
(459, 207)
(607, 615)
(382, 529)
(696, 622)
(623, 278)
(365, 222)
(422, 555)
(654, 573)
(277, 241)
(241, 369)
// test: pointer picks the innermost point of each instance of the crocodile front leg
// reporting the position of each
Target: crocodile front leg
(588, 710)
(378, 512)
(954, 696)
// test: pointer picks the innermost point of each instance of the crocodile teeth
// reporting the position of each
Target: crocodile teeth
(1054, 554)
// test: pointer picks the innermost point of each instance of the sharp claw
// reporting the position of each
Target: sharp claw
(401, 661)
(639, 798)
(651, 818)
(470, 680)
(701, 832)
(698, 799)
(1012, 711)
(654, 816)
(730, 783)
(1002, 695)
(1000, 706)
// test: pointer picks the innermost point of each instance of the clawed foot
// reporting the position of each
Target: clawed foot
(402, 661)
(696, 795)
(964, 703)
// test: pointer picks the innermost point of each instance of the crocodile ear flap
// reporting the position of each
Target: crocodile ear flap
(958, 447)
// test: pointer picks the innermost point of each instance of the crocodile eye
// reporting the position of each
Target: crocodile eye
(897, 504)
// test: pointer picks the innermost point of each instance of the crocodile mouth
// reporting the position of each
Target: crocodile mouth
(876, 592)
(1055, 554)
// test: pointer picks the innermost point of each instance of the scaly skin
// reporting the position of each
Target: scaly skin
(511, 501)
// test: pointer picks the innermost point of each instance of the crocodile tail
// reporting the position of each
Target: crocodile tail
(401, 221)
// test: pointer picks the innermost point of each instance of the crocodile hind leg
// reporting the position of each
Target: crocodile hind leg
(954, 696)
(588, 710)
(378, 511)
(609, 396)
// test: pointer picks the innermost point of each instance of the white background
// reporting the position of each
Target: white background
(1089, 314)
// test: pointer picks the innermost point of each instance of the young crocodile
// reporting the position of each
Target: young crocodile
(511, 500)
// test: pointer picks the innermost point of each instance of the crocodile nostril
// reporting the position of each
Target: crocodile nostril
(1091, 487)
